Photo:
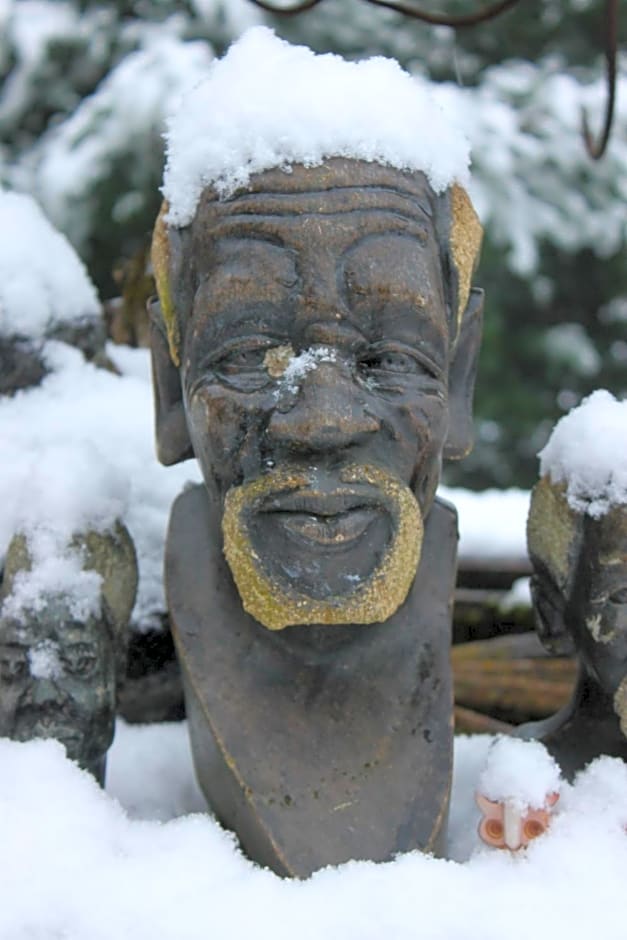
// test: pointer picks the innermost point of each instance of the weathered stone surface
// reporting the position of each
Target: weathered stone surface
(316, 745)
(315, 347)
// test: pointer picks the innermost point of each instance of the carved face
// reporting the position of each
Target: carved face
(597, 610)
(316, 358)
(58, 681)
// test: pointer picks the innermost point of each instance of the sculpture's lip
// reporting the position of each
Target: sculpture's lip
(330, 520)
(314, 502)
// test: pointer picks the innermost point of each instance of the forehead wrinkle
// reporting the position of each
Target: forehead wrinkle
(413, 203)
(284, 230)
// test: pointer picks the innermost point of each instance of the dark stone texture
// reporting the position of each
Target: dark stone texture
(316, 744)
(315, 347)
(581, 606)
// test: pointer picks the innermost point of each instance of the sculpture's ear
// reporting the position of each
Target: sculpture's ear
(462, 374)
(549, 606)
(173, 443)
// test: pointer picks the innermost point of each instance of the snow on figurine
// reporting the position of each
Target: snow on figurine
(60, 652)
(315, 347)
(45, 293)
(577, 538)
(518, 790)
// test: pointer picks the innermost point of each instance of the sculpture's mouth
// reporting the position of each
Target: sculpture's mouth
(308, 547)
(33, 722)
(333, 521)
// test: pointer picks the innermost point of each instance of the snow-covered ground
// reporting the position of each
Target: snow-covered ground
(139, 862)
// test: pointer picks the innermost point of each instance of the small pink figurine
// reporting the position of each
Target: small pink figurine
(505, 826)
(517, 791)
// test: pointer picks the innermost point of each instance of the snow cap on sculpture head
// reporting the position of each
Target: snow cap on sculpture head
(314, 261)
(268, 104)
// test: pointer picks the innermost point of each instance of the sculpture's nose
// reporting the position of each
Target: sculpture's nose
(325, 414)
(45, 692)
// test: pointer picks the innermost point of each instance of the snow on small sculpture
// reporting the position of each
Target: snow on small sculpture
(43, 282)
(587, 451)
(518, 788)
(270, 104)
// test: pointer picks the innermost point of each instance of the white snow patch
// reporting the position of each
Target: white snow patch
(298, 366)
(588, 451)
(44, 662)
(492, 523)
(74, 865)
(42, 280)
(270, 104)
(519, 595)
(521, 773)
(78, 453)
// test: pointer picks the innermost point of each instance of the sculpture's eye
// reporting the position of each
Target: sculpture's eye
(619, 597)
(242, 364)
(242, 360)
(13, 667)
(391, 362)
(81, 659)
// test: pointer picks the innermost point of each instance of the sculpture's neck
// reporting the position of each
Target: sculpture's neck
(586, 728)
(316, 744)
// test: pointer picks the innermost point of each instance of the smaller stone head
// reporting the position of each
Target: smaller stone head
(579, 583)
(45, 294)
(58, 671)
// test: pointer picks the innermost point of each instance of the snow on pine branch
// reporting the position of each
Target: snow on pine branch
(532, 180)
(121, 123)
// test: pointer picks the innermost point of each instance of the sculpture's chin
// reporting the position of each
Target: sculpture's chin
(342, 552)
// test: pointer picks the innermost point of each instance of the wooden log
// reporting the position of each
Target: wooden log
(499, 678)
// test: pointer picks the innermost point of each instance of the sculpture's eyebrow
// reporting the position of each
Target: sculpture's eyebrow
(340, 199)
(293, 225)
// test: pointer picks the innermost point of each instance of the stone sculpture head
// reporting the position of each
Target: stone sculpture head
(58, 670)
(320, 332)
(45, 294)
(579, 586)
(315, 347)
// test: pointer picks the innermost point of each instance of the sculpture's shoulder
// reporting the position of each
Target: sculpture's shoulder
(443, 515)
(191, 501)
(194, 520)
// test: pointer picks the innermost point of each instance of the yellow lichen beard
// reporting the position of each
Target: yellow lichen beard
(374, 600)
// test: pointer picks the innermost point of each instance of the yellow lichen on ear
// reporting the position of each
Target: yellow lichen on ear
(552, 529)
(160, 255)
(466, 237)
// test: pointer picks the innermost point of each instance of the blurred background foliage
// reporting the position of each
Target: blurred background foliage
(88, 83)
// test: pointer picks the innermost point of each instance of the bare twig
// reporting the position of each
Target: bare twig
(440, 19)
(287, 11)
(596, 149)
